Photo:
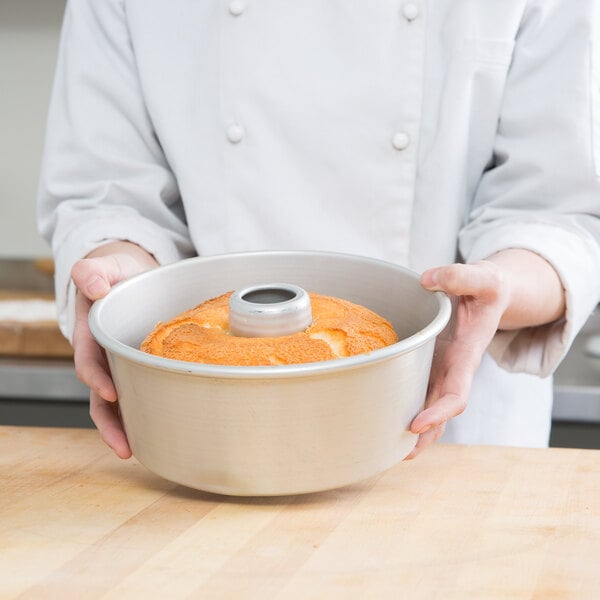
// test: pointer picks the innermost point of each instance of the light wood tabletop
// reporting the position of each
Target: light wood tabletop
(457, 522)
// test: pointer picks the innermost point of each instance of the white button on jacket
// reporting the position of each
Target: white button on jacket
(410, 11)
(492, 112)
(400, 140)
(237, 7)
(235, 133)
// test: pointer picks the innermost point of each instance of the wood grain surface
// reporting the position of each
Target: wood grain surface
(458, 522)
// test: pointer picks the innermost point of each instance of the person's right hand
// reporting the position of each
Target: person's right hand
(93, 277)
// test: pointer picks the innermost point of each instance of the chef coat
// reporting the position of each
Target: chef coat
(419, 132)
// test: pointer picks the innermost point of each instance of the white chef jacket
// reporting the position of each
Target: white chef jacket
(417, 132)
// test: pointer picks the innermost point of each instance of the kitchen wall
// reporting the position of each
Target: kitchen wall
(29, 32)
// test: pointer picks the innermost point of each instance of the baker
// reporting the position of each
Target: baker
(460, 138)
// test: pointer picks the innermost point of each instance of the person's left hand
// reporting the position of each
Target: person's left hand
(479, 297)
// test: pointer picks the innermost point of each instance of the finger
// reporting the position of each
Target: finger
(448, 406)
(450, 383)
(91, 366)
(466, 338)
(90, 277)
(95, 276)
(106, 418)
(448, 394)
(482, 279)
(426, 439)
(439, 368)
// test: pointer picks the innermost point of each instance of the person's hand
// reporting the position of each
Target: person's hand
(512, 289)
(93, 277)
(479, 297)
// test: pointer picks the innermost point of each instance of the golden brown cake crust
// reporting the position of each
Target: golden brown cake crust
(201, 334)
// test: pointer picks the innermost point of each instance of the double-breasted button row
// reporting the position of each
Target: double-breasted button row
(400, 139)
(234, 131)
(410, 10)
(235, 134)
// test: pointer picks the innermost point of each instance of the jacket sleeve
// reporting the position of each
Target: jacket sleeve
(542, 192)
(103, 176)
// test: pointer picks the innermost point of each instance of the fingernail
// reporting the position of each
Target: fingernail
(430, 279)
(96, 286)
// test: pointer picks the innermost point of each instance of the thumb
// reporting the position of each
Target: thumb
(95, 276)
(481, 279)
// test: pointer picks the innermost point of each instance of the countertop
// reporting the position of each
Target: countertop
(457, 522)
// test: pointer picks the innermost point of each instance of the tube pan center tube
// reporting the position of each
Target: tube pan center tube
(269, 310)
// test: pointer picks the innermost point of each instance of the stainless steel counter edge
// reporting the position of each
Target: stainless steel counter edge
(43, 379)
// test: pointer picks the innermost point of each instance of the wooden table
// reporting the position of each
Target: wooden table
(457, 523)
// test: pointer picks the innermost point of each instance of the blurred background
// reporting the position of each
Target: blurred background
(29, 31)
(37, 379)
